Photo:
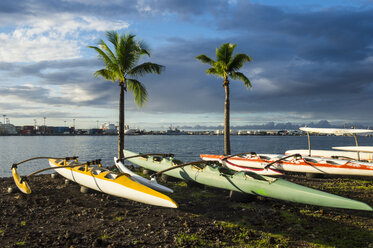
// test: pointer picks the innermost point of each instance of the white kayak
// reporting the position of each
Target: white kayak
(149, 183)
(368, 149)
(331, 153)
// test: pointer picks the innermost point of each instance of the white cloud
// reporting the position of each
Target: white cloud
(75, 94)
(52, 38)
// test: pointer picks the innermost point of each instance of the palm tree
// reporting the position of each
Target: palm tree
(226, 66)
(121, 65)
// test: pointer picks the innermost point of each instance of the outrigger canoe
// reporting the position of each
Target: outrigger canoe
(296, 163)
(103, 180)
(246, 182)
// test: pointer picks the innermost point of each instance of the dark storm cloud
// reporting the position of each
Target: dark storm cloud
(317, 63)
(128, 8)
(331, 34)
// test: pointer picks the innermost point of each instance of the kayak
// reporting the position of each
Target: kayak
(246, 182)
(296, 164)
(149, 183)
(116, 184)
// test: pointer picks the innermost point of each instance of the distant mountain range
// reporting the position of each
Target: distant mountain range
(276, 126)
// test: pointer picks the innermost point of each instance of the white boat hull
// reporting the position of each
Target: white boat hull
(134, 191)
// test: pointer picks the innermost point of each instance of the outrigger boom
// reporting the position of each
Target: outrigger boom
(22, 181)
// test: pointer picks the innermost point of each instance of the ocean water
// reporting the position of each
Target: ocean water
(14, 149)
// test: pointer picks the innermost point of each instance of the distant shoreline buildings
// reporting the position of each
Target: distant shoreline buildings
(8, 129)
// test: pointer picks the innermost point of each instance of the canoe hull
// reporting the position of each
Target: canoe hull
(251, 183)
(306, 164)
(117, 185)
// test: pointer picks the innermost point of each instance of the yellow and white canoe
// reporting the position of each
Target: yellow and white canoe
(117, 184)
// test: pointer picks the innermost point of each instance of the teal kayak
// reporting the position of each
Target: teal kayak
(245, 182)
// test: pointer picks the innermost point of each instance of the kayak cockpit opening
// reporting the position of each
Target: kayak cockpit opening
(310, 160)
(97, 170)
(111, 175)
(264, 157)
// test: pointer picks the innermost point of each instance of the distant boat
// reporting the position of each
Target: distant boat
(174, 131)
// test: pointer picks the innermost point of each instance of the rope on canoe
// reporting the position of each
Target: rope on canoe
(239, 154)
(180, 166)
(164, 155)
(296, 156)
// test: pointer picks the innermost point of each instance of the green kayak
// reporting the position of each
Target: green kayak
(251, 183)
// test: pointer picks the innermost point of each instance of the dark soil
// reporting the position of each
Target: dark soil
(58, 215)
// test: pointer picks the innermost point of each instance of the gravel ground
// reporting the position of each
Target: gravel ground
(58, 215)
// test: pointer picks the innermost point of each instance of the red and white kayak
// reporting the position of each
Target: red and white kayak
(295, 164)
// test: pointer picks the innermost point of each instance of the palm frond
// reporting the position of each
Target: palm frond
(145, 68)
(113, 37)
(238, 61)
(224, 52)
(105, 58)
(206, 60)
(109, 52)
(138, 90)
(106, 74)
(127, 51)
(143, 48)
(240, 76)
(213, 71)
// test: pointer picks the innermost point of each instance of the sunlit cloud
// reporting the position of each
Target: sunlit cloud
(57, 37)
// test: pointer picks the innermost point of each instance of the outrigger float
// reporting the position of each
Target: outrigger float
(213, 174)
(92, 175)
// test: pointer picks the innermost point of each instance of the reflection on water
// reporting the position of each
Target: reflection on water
(185, 147)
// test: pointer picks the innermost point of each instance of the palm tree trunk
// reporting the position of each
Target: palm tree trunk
(121, 122)
(227, 143)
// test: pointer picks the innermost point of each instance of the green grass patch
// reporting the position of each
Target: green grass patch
(119, 218)
(105, 236)
(21, 243)
(192, 240)
(349, 184)
(244, 236)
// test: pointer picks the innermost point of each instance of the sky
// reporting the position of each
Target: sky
(311, 60)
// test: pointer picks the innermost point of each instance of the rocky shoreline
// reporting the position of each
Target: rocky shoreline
(58, 215)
